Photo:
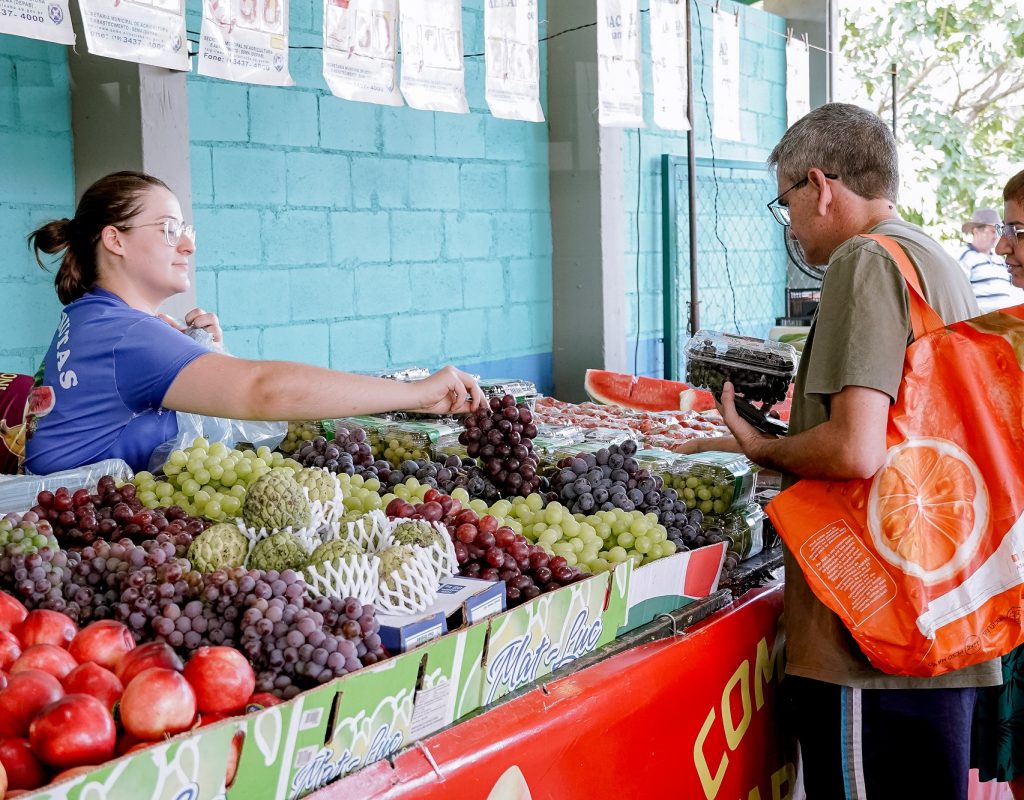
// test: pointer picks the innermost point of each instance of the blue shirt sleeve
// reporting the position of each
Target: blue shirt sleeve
(148, 358)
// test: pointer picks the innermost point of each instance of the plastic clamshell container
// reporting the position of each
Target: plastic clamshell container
(417, 438)
(760, 370)
(744, 528)
(715, 483)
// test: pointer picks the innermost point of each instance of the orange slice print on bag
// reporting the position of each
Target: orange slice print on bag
(928, 508)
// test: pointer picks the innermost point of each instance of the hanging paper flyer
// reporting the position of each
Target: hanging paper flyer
(433, 75)
(360, 50)
(668, 64)
(513, 59)
(619, 86)
(136, 30)
(46, 20)
(245, 40)
(726, 75)
(798, 80)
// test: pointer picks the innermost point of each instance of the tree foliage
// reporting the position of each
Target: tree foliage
(959, 96)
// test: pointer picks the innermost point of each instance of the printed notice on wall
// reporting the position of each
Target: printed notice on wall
(513, 59)
(47, 20)
(668, 64)
(798, 80)
(433, 76)
(726, 76)
(360, 50)
(245, 40)
(137, 30)
(619, 88)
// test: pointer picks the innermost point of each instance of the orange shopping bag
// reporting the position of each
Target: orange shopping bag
(924, 562)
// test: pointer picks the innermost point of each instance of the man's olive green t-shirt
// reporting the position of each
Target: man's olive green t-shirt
(859, 337)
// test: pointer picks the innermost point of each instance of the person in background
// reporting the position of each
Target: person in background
(116, 369)
(997, 749)
(863, 733)
(983, 267)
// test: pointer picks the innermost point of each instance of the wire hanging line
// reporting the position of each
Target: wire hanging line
(714, 6)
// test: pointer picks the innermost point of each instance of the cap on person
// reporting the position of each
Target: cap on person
(983, 216)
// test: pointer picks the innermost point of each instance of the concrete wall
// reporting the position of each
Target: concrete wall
(36, 184)
(363, 237)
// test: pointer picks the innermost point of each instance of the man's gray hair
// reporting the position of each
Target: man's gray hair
(844, 139)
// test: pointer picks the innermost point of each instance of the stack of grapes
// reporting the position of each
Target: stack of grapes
(612, 479)
(208, 479)
(293, 641)
(299, 432)
(348, 452)
(501, 435)
(448, 475)
(80, 518)
(493, 553)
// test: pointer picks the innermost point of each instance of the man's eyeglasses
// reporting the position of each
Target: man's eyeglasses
(174, 229)
(1011, 230)
(781, 212)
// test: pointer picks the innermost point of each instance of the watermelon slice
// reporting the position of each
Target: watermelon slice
(645, 394)
(41, 401)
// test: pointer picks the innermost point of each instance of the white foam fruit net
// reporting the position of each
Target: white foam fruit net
(409, 589)
(351, 576)
(441, 556)
(326, 513)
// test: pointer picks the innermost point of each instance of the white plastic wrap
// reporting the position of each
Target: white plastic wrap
(18, 492)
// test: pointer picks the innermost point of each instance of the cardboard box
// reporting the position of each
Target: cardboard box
(460, 601)
(671, 583)
(547, 633)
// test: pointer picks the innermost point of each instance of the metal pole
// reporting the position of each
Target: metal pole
(892, 67)
(691, 176)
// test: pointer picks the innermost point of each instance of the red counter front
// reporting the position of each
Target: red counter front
(691, 716)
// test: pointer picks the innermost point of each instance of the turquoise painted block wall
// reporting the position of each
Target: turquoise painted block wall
(36, 185)
(364, 237)
(763, 121)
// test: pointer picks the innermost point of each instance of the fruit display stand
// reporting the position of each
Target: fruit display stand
(671, 710)
(214, 553)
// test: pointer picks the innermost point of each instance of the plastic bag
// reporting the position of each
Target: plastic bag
(217, 429)
(230, 432)
(18, 492)
(922, 561)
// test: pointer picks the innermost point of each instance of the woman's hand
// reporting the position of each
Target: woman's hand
(198, 318)
(448, 391)
(207, 320)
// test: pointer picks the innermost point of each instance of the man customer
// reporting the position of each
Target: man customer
(863, 733)
(984, 268)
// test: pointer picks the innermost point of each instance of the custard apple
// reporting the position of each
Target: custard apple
(220, 546)
(276, 501)
(320, 483)
(279, 551)
(333, 551)
(394, 559)
(417, 532)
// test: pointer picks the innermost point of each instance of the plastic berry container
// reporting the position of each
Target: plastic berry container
(760, 370)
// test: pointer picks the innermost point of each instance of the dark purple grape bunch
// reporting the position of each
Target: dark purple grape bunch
(79, 519)
(348, 452)
(500, 435)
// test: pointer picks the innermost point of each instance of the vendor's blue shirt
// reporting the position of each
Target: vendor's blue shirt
(109, 367)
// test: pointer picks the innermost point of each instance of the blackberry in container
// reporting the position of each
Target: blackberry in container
(760, 370)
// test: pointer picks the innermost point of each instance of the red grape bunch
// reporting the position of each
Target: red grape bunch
(484, 550)
(501, 436)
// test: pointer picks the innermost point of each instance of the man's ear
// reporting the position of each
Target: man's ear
(111, 240)
(818, 180)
